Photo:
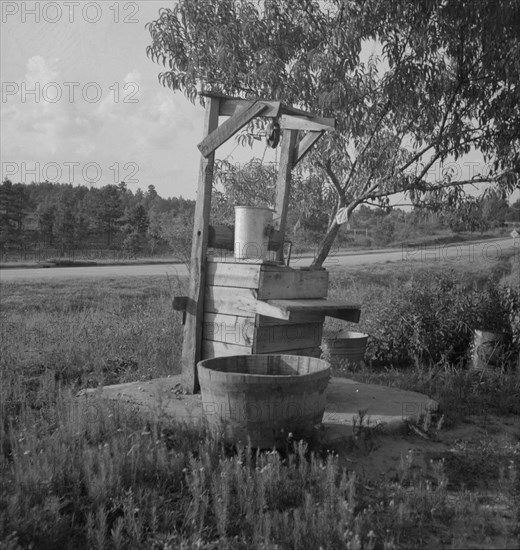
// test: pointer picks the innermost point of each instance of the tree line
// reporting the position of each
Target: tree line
(67, 217)
(71, 218)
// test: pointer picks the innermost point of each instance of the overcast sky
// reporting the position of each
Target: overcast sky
(99, 128)
(96, 114)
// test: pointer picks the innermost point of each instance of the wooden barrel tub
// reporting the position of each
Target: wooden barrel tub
(263, 400)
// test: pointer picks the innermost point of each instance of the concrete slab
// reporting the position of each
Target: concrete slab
(383, 408)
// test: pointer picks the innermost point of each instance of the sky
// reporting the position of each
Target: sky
(81, 102)
(97, 113)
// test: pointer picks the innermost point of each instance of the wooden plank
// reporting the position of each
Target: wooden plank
(296, 318)
(240, 275)
(314, 124)
(305, 145)
(228, 107)
(230, 127)
(290, 110)
(191, 348)
(283, 185)
(330, 308)
(286, 337)
(293, 284)
(180, 303)
(286, 109)
(231, 329)
(239, 301)
(220, 349)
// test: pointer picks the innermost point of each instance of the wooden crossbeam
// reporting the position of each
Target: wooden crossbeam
(305, 145)
(229, 104)
(314, 124)
(228, 107)
(230, 127)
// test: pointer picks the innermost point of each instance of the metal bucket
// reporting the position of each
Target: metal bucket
(252, 228)
(345, 346)
(488, 349)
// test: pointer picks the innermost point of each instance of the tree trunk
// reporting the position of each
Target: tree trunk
(326, 245)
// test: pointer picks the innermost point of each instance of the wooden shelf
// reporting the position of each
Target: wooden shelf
(287, 309)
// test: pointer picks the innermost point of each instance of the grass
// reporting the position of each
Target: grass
(74, 476)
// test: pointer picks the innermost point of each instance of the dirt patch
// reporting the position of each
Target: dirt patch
(477, 463)
(375, 455)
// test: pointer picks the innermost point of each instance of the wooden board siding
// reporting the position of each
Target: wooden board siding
(282, 338)
(292, 284)
(271, 281)
(265, 309)
(241, 331)
(220, 349)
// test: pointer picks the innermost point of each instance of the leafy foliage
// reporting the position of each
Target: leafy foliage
(431, 320)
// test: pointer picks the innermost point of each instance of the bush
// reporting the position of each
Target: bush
(431, 320)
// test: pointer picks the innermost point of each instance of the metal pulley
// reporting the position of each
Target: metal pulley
(272, 134)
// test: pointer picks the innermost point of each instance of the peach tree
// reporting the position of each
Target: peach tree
(441, 81)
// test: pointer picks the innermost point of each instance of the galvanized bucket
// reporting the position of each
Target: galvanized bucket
(252, 228)
(344, 346)
(488, 349)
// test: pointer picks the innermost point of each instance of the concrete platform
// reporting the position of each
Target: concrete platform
(383, 408)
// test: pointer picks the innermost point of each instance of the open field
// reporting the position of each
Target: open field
(71, 479)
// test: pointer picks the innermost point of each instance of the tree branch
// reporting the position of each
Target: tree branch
(369, 141)
(435, 187)
(327, 166)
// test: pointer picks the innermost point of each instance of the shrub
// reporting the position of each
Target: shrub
(426, 322)
(431, 320)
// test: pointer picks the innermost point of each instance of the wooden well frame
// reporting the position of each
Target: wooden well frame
(261, 307)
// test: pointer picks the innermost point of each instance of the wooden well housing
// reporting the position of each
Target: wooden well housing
(252, 308)
(264, 308)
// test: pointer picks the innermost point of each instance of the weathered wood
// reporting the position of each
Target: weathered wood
(191, 348)
(180, 303)
(239, 275)
(281, 338)
(331, 308)
(239, 301)
(259, 400)
(296, 318)
(314, 124)
(223, 236)
(230, 127)
(229, 104)
(283, 185)
(228, 107)
(241, 331)
(272, 281)
(305, 145)
(292, 284)
(212, 349)
(245, 302)
(231, 329)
